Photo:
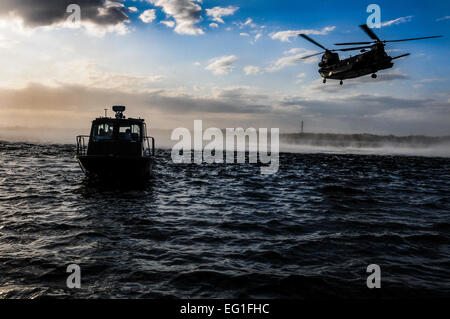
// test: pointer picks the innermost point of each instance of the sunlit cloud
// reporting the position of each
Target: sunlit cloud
(285, 36)
(294, 56)
(397, 21)
(251, 69)
(186, 13)
(443, 18)
(148, 16)
(168, 23)
(221, 65)
(217, 13)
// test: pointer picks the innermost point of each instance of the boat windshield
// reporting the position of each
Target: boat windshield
(130, 132)
(103, 131)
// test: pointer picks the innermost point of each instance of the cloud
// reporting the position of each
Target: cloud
(244, 34)
(38, 105)
(168, 23)
(294, 51)
(221, 65)
(396, 21)
(79, 98)
(443, 18)
(186, 14)
(85, 72)
(148, 16)
(133, 9)
(217, 13)
(296, 57)
(285, 36)
(432, 80)
(107, 15)
(300, 77)
(248, 23)
(378, 112)
(251, 69)
(213, 25)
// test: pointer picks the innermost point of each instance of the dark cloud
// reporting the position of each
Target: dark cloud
(38, 104)
(79, 98)
(362, 104)
(37, 13)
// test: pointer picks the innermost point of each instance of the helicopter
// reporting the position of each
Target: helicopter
(368, 62)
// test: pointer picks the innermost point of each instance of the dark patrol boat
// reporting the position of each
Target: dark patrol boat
(117, 148)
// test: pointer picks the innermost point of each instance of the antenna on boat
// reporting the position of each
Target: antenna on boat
(119, 109)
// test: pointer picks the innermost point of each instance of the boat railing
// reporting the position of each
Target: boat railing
(149, 148)
(148, 145)
(82, 144)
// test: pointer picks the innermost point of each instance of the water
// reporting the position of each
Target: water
(225, 230)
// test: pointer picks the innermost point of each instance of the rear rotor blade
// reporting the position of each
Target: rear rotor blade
(312, 41)
(411, 39)
(308, 56)
(369, 32)
(401, 56)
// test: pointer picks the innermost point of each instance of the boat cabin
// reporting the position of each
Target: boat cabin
(116, 148)
(118, 136)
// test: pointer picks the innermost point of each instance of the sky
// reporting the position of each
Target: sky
(228, 63)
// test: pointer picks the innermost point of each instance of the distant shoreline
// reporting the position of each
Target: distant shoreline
(334, 140)
(362, 140)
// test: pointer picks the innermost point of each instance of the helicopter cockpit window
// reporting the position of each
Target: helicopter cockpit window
(130, 132)
(103, 131)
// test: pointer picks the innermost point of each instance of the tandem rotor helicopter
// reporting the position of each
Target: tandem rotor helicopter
(369, 61)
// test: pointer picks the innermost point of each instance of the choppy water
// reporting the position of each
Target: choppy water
(225, 230)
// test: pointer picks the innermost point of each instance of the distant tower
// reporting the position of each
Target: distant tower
(301, 128)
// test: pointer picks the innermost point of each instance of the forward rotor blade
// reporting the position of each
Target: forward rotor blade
(401, 56)
(312, 41)
(369, 32)
(355, 48)
(434, 36)
(354, 43)
(308, 56)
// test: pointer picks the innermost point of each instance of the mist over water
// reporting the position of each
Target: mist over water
(291, 143)
(442, 150)
(417, 145)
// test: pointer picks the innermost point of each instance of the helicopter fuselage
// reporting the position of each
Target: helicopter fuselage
(368, 62)
(362, 64)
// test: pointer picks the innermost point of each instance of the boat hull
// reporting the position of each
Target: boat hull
(114, 167)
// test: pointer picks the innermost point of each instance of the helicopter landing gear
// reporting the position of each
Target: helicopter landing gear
(340, 83)
(324, 81)
(374, 76)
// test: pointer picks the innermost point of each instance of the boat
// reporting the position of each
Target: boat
(117, 148)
